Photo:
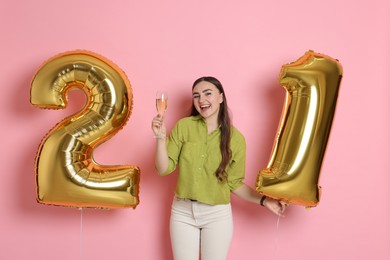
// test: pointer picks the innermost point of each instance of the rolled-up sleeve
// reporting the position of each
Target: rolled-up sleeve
(236, 171)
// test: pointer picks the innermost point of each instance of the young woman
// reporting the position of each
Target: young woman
(210, 153)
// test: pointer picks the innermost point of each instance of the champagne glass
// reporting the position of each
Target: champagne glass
(161, 103)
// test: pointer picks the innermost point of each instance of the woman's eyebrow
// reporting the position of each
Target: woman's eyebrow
(204, 91)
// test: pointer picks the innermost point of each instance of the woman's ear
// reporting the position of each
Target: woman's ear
(220, 98)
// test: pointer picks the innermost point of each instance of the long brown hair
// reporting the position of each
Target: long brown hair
(225, 123)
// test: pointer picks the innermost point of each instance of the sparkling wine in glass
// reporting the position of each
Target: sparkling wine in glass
(161, 102)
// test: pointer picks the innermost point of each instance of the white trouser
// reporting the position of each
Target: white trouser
(198, 227)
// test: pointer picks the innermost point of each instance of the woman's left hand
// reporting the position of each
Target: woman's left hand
(275, 206)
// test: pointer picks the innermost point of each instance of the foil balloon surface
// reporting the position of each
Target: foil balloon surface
(66, 173)
(312, 85)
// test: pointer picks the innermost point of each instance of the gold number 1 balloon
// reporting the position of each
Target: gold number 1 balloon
(66, 173)
(312, 84)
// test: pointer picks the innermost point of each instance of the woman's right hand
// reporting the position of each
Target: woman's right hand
(158, 126)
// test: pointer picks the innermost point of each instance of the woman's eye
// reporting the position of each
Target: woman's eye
(195, 96)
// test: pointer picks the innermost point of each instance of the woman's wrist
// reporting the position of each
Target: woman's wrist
(160, 137)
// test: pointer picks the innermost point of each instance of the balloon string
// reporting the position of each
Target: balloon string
(81, 233)
(276, 237)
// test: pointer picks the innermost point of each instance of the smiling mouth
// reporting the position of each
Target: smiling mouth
(205, 107)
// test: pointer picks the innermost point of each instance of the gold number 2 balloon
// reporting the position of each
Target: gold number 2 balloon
(312, 85)
(66, 173)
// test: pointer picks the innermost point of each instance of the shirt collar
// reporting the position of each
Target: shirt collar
(199, 117)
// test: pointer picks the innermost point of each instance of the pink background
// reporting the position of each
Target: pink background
(168, 44)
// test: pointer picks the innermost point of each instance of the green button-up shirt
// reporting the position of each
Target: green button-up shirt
(198, 155)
